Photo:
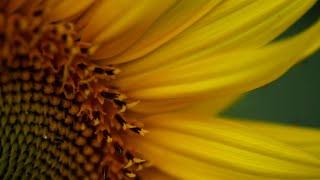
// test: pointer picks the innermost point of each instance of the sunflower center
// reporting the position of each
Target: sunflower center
(60, 117)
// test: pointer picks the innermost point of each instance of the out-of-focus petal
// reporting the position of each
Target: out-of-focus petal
(189, 146)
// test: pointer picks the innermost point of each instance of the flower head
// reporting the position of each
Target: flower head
(121, 89)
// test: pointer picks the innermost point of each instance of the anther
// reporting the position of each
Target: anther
(82, 66)
(37, 13)
(118, 149)
(138, 160)
(121, 121)
(2, 37)
(109, 95)
(129, 173)
(107, 135)
(84, 50)
(129, 156)
(98, 70)
(69, 26)
(121, 105)
(139, 130)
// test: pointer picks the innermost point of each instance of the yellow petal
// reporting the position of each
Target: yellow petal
(159, 34)
(86, 17)
(209, 106)
(206, 105)
(313, 149)
(154, 174)
(183, 167)
(68, 8)
(187, 146)
(227, 73)
(252, 26)
(154, 107)
(285, 133)
(102, 15)
(113, 18)
(227, 131)
(222, 10)
(173, 22)
(307, 139)
(129, 27)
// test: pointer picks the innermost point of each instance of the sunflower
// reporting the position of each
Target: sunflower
(126, 89)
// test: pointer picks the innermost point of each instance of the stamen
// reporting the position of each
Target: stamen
(118, 149)
(121, 121)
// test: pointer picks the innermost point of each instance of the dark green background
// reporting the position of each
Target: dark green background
(295, 97)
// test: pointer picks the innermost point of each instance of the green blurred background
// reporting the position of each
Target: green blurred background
(295, 97)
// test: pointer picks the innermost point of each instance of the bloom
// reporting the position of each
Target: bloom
(106, 89)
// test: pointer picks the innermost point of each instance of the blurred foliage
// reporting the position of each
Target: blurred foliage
(295, 97)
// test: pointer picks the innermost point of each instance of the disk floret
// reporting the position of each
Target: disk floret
(60, 114)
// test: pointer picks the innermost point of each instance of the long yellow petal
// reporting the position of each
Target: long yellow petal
(224, 74)
(205, 147)
(183, 167)
(229, 132)
(224, 9)
(286, 133)
(113, 18)
(154, 174)
(104, 14)
(261, 21)
(220, 156)
(164, 30)
(200, 105)
(173, 22)
(155, 107)
(210, 106)
(86, 17)
(68, 8)
(130, 27)
(313, 149)
(307, 139)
